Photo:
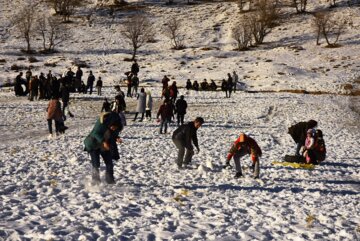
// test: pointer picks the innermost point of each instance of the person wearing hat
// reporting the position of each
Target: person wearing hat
(298, 133)
(184, 137)
(102, 142)
(242, 146)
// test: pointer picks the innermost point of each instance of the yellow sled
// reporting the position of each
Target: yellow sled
(294, 165)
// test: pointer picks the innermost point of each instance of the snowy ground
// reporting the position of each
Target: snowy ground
(45, 191)
(44, 183)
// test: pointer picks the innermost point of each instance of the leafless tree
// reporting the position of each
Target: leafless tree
(263, 19)
(137, 30)
(52, 32)
(173, 31)
(329, 26)
(24, 22)
(65, 8)
(300, 5)
(242, 35)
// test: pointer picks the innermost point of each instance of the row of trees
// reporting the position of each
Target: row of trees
(250, 30)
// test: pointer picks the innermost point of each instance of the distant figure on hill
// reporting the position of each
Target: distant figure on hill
(213, 85)
(235, 79)
(230, 84)
(165, 83)
(224, 87)
(165, 113)
(141, 105)
(242, 146)
(188, 85)
(196, 86)
(135, 68)
(99, 85)
(19, 81)
(204, 85)
(185, 138)
(90, 82)
(135, 85)
(149, 105)
(180, 110)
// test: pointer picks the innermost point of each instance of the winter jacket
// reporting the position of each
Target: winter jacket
(165, 111)
(141, 103)
(250, 145)
(149, 102)
(91, 80)
(135, 68)
(54, 110)
(181, 106)
(187, 134)
(65, 94)
(102, 133)
(99, 83)
(298, 131)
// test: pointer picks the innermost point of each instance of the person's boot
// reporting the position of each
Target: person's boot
(256, 169)
(109, 178)
(238, 175)
(95, 174)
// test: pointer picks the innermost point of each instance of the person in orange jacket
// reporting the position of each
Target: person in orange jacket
(244, 145)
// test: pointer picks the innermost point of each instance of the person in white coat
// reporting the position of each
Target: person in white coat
(149, 104)
(141, 105)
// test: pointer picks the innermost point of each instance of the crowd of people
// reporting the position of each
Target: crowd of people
(103, 139)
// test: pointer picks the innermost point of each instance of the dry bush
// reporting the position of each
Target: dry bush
(330, 26)
(173, 30)
(263, 19)
(24, 23)
(300, 5)
(137, 30)
(65, 8)
(52, 32)
(242, 35)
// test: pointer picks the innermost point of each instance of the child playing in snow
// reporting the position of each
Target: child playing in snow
(244, 145)
(309, 145)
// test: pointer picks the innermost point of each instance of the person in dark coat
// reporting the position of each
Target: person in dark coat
(99, 85)
(165, 83)
(55, 86)
(28, 75)
(230, 84)
(188, 85)
(65, 97)
(298, 133)
(173, 92)
(166, 112)
(204, 85)
(180, 110)
(129, 83)
(184, 137)
(102, 142)
(135, 68)
(224, 87)
(196, 86)
(213, 85)
(242, 146)
(90, 82)
(19, 81)
(78, 80)
(106, 107)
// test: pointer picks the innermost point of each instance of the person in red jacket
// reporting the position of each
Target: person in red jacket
(166, 112)
(244, 145)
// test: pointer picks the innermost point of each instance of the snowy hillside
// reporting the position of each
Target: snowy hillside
(45, 190)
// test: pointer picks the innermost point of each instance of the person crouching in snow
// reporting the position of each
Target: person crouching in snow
(102, 142)
(244, 145)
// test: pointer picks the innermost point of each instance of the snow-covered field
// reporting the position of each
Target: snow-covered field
(44, 183)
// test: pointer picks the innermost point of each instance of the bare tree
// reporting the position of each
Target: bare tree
(263, 19)
(137, 30)
(242, 35)
(329, 26)
(173, 31)
(65, 8)
(24, 22)
(52, 32)
(300, 5)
